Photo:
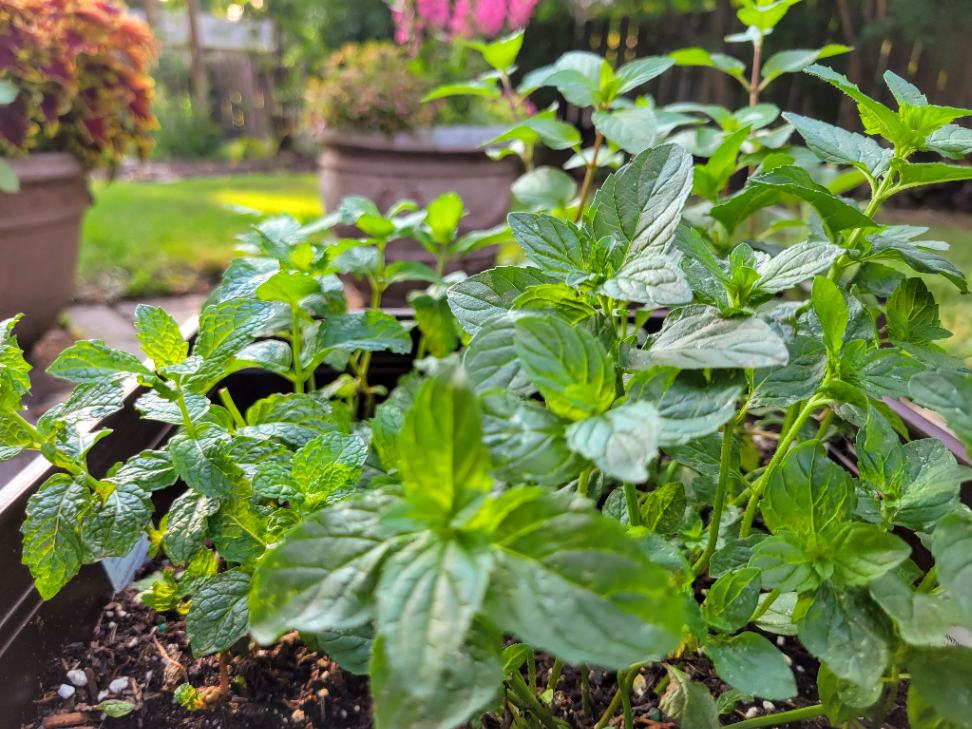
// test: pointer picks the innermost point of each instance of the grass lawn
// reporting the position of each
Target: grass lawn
(155, 238)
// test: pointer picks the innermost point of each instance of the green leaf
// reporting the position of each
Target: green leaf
(689, 703)
(442, 215)
(186, 525)
(784, 564)
(831, 308)
(663, 510)
(369, 331)
(918, 174)
(750, 663)
(764, 15)
(912, 314)
(112, 528)
(654, 281)
(796, 264)
(14, 369)
(922, 619)
(569, 367)
(91, 361)
(52, 547)
(834, 144)
(796, 60)
(572, 582)
(863, 552)
(543, 127)
(897, 243)
(950, 141)
(547, 188)
(922, 715)
(690, 408)
(701, 57)
(350, 648)
(807, 492)
(149, 470)
(443, 460)
(642, 202)
(635, 73)
(948, 393)
(115, 708)
(731, 601)
(436, 323)
(468, 685)
(218, 615)
(555, 245)
(951, 544)
(490, 359)
(621, 442)
(942, 677)
(203, 462)
(527, 442)
(501, 53)
(225, 328)
(323, 575)
(632, 129)
(289, 287)
(159, 336)
(427, 597)
(843, 629)
(904, 92)
(239, 530)
(932, 487)
(698, 337)
(465, 88)
(479, 298)
(842, 700)
(328, 465)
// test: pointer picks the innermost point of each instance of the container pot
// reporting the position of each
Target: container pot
(40, 230)
(420, 166)
(32, 632)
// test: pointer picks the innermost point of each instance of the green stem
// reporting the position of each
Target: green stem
(583, 481)
(881, 195)
(68, 463)
(227, 400)
(585, 681)
(784, 717)
(631, 502)
(825, 422)
(186, 420)
(532, 672)
(297, 346)
(588, 177)
(624, 682)
(555, 671)
(722, 489)
(530, 702)
(781, 449)
(767, 604)
(611, 708)
(929, 581)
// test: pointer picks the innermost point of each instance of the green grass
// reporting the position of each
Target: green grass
(156, 238)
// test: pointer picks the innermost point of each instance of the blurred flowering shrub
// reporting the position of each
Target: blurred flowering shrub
(415, 19)
(80, 71)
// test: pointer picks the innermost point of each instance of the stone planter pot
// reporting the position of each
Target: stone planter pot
(420, 166)
(40, 230)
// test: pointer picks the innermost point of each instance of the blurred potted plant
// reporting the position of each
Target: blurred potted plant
(79, 99)
(383, 141)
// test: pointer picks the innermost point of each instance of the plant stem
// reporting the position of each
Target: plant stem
(767, 604)
(624, 681)
(722, 489)
(583, 481)
(588, 177)
(585, 679)
(523, 693)
(757, 69)
(227, 399)
(785, 441)
(884, 191)
(929, 581)
(825, 422)
(297, 346)
(532, 671)
(186, 420)
(631, 502)
(785, 717)
(554, 678)
(611, 708)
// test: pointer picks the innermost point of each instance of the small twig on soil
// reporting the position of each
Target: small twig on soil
(169, 659)
(70, 718)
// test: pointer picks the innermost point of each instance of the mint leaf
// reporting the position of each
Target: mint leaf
(112, 528)
(621, 442)
(731, 601)
(159, 336)
(555, 245)
(490, 359)
(328, 465)
(834, 144)
(52, 547)
(14, 380)
(655, 281)
(186, 525)
(90, 361)
(750, 663)
(950, 544)
(479, 298)
(203, 462)
(218, 615)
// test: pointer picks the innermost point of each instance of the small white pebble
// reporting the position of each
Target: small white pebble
(344, 714)
(103, 694)
(132, 643)
(122, 614)
(639, 685)
(769, 705)
(118, 685)
(77, 677)
(800, 669)
(112, 625)
(751, 712)
(148, 677)
(356, 708)
(789, 661)
(66, 691)
(780, 641)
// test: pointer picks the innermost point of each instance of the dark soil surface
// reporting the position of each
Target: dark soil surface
(289, 685)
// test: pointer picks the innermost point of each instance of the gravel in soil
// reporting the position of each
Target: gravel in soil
(139, 656)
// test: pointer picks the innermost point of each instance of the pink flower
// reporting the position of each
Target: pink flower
(404, 20)
(490, 16)
(459, 25)
(520, 12)
(435, 13)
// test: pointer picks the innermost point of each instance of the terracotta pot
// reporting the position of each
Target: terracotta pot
(420, 166)
(40, 230)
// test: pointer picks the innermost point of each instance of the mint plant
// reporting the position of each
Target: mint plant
(560, 476)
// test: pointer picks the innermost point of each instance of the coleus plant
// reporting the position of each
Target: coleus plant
(575, 480)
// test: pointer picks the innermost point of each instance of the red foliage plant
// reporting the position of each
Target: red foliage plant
(80, 68)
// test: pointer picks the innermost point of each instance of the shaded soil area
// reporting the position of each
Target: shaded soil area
(139, 656)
